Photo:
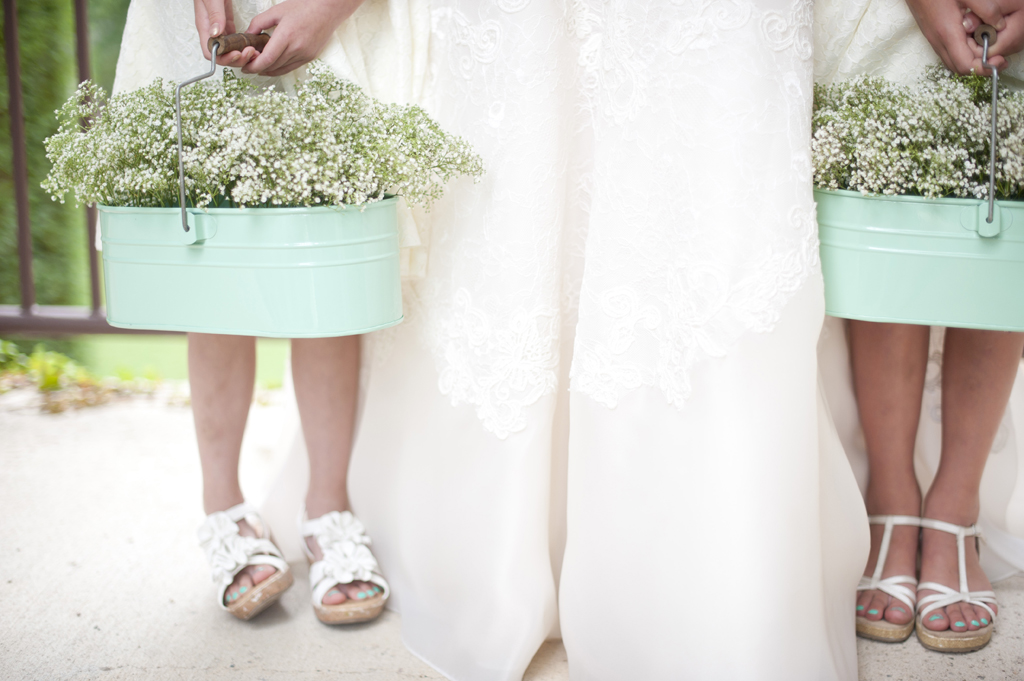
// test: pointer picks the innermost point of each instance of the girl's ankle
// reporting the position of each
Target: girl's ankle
(893, 502)
(956, 507)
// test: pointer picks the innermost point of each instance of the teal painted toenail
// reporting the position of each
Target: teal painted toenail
(934, 617)
(899, 608)
(243, 589)
(975, 623)
(859, 608)
(872, 611)
(959, 624)
(984, 621)
(361, 594)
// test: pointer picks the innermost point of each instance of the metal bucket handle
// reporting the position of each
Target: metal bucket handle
(230, 43)
(985, 36)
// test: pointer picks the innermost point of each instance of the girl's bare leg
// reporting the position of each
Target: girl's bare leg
(222, 370)
(889, 364)
(326, 375)
(978, 371)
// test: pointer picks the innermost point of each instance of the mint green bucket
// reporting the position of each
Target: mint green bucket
(914, 260)
(277, 272)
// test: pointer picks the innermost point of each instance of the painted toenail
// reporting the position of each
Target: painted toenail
(899, 608)
(243, 589)
(959, 624)
(859, 608)
(975, 623)
(361, 594)
(872, 611)
(984, 621)
(934, 617)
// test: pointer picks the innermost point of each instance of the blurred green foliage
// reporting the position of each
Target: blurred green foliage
(60, 382)
(46, 33)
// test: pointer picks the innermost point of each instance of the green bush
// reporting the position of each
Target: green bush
(49, 74)
(48, 70)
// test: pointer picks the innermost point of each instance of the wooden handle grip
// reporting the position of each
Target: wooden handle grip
(239, 41)
(984, 31)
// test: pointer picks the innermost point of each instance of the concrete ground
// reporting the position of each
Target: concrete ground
(101, 578)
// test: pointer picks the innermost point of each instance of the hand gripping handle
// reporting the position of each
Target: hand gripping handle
(239, 41)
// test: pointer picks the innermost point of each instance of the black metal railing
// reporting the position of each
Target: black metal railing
(28, 317)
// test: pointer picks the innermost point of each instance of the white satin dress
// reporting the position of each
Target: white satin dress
(880, 38)
(601, 419)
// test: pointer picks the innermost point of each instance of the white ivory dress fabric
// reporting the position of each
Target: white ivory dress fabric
(881, 38)
(602, 418)
(613, 352)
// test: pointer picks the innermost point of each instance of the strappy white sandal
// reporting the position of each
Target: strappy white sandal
(229, 552)
(346, 558)
(900, 587)
(950, 641)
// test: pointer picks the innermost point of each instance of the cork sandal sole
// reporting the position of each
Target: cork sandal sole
(351, 612)
(261, 596)
(954, 641)
(883, 630)
(950, 641)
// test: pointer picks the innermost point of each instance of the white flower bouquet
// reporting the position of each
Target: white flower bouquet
(329, 144)
(908, 233)
(877, 137)
(290, 222)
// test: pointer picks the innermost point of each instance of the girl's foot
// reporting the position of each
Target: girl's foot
(339, 593)
(343, 573)
(250, 576)
(939, 564)
(237, 544)
(875, 605)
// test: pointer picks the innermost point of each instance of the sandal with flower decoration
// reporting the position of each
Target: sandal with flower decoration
(229, 553)
(346, 558)
(950, 641)
(899, 587)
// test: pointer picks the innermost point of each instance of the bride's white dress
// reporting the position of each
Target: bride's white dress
(601, 419)
(880, 38)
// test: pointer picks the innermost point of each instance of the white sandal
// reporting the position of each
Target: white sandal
(950, 641)
(346, 558)
(229, 553)
(896, 586)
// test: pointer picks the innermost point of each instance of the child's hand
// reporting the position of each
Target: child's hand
(943, 24)
(301, 29)
(214, 18)
(1009, 41)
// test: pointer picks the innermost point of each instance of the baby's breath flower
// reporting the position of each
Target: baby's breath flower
(329, 144)
(876, 137)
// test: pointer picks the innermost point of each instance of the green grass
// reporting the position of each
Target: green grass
(166, 357)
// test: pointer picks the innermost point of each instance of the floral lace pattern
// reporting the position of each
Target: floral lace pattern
(609, 211)
(679, 265)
